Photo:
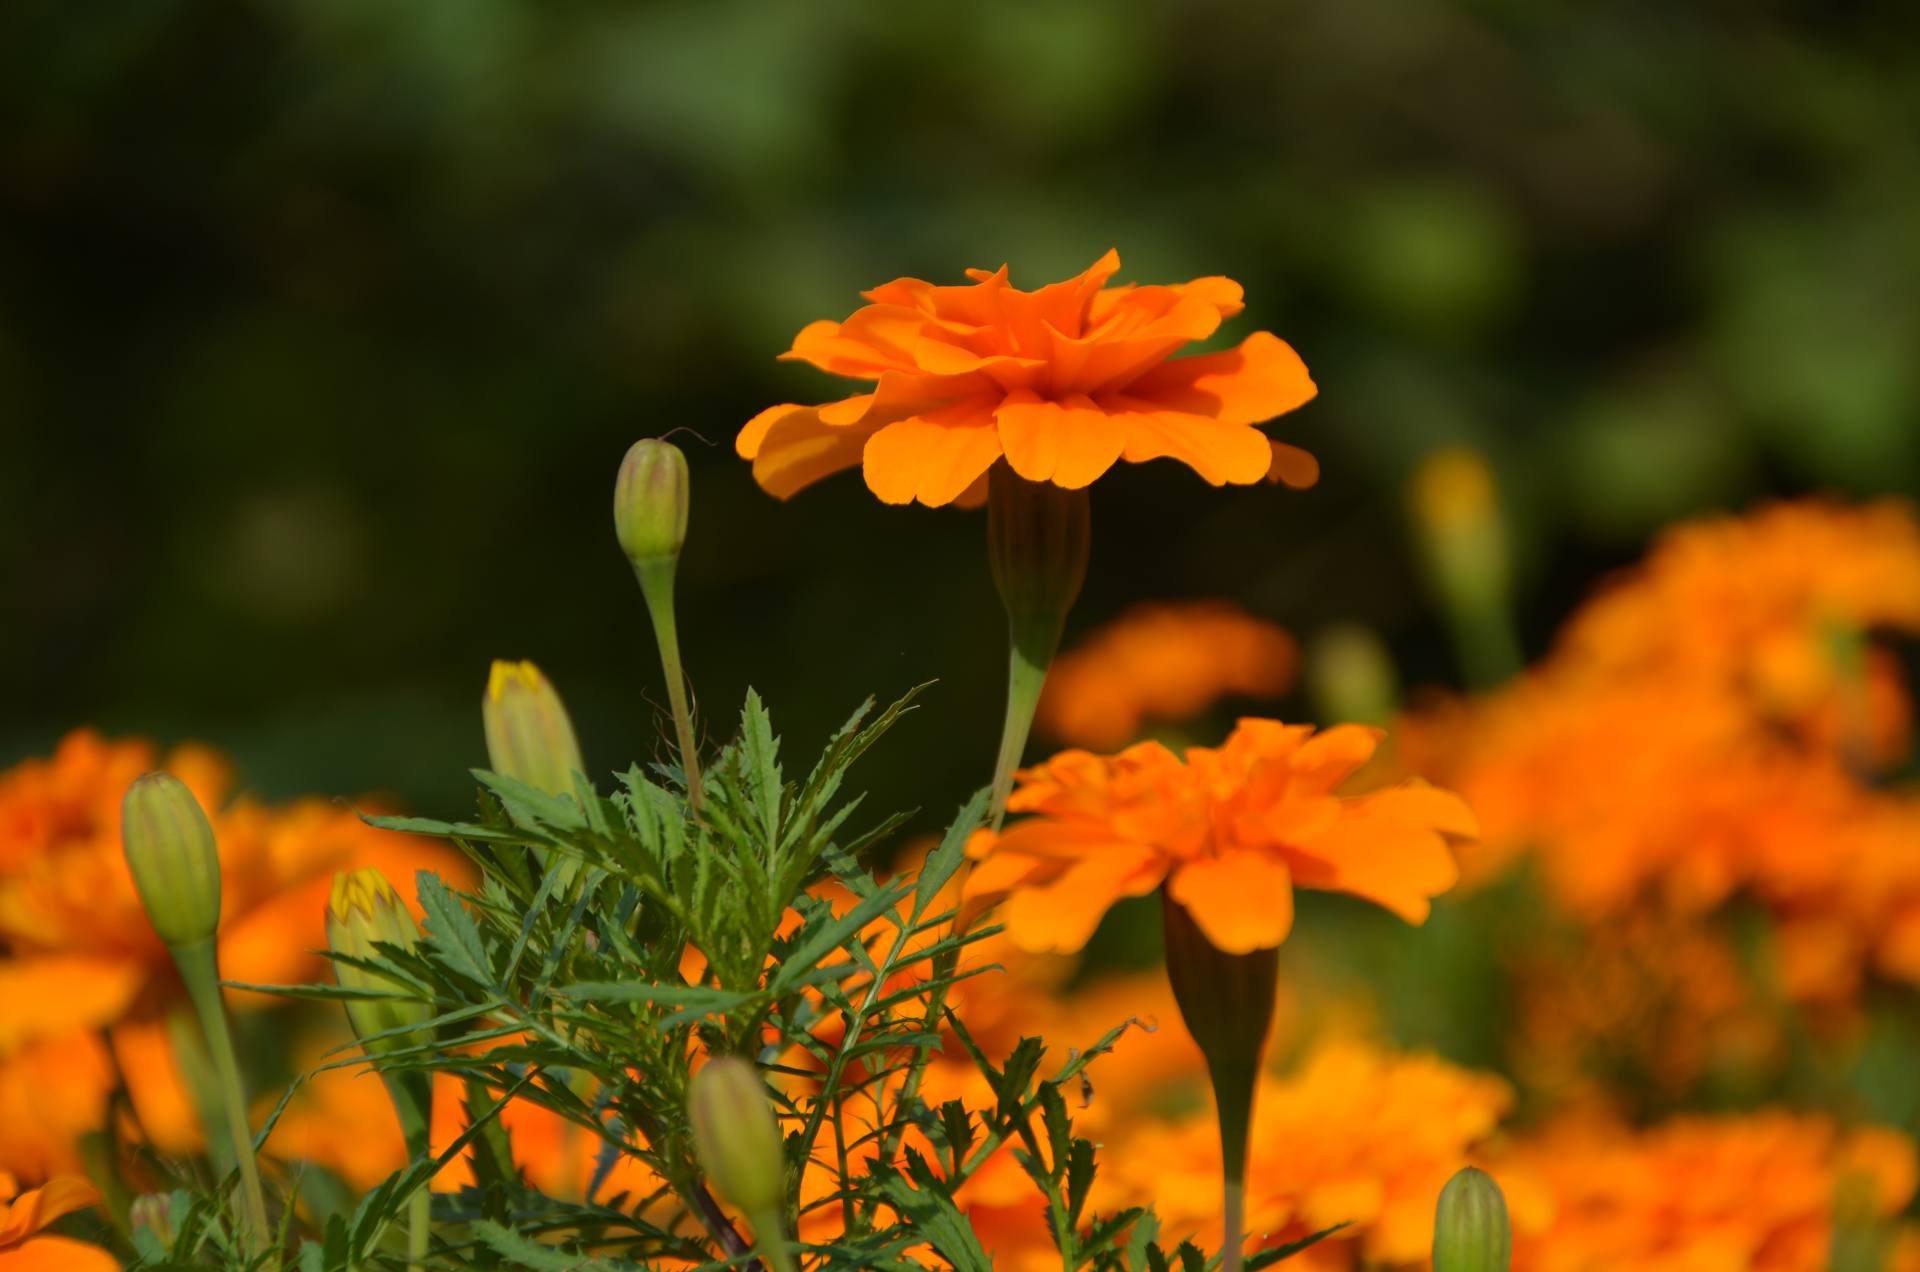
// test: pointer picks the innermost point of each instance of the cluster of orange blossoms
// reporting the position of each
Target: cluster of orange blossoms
(1162, 663)
(1708, 732)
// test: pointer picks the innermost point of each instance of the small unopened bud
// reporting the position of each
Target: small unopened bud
(1463, 538)
(650, 501)
(1470, 1229)
(1351, 676)
(153, 1212)
(735, 1136)
(529, 737)
(175, 862)
(363, 910)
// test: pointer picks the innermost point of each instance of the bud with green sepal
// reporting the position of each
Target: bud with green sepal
(363, 914)
(1039, 536)
(529, 735)
(650, 520)
(738, 1143)
(1470, 1228)
(175, 862)
(1463, 541)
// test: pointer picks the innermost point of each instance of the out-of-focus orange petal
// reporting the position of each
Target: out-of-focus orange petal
(57, 1254)
(41, 997)
(1292, 467)
(1260, 379)
(33, 1210)
(156, 1086)
(932, 458)
(1242, 901)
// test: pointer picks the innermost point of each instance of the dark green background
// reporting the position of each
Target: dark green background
(324, 324)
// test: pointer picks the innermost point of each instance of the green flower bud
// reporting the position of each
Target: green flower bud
(175, 862)
(735, 1135)
(1470, 1230)
(365, 909)
(650, 501)
(529, 737)
(153, 1212)
(1351, 675)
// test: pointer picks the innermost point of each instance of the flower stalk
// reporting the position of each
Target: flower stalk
(650, 519)
(1038, 539)
(175, 861)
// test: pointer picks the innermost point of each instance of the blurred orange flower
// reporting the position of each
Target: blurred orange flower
(1231, 830)
(1752, 1192)
(1063, 381)
(77, 954)
(24, 1247)
(1162, 662)
(1357, 1135)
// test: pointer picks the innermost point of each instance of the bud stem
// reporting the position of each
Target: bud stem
(770, 1240)
(200, 969)
(656, 585)
(1026, 674)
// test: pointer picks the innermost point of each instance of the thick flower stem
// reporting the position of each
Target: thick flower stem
(656, 584)
(199, 968)
(1038, 538)
(412, 1094)
(1226, 1001)
(1026, 673)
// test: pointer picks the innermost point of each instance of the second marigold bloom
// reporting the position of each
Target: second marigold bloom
(1063, 382)
(1231, 830)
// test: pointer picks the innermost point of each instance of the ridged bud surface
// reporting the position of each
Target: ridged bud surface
(175, 862)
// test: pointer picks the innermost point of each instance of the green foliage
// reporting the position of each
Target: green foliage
(653, 935)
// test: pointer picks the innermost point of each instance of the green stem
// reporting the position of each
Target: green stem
(200, 969)
(656, 585)
(419, 1227)
(412, 1094)
(1026, 674)
(772, 1241)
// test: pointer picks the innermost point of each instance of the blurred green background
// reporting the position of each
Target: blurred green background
(324, 325)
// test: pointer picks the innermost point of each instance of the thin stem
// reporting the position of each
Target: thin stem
(200, 969)
(656, 585)
(419, 1227)
(1233, 1213)
(772, 1241)
(1026, 674)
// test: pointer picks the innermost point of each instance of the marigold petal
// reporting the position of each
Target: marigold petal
(1292, 467)
(1069, 443)
(1242, 901)
(57, 1254)
(1393, 865)
(52, 994)
(35, 1209)
(1327, 759)
(1419, 804)
(1250, 384)
(1223, 454)
(797, 448)
(1059, 916)
(932, 457)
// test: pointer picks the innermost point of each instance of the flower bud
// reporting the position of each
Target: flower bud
(1470, 1230)
(1463, 539)
(529, 737)
(1351, 676)
(365, 909)
(735, 1135)
(175, 862)
(650, 501)
(153, 1212)
(1038, 536)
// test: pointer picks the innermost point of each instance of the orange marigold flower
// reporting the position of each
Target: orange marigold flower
(1231, 830)
(1755, 1192)
(1165, 662)
(23, 1215)
(1063, 381)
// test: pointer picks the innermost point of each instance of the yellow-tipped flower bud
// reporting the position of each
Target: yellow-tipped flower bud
(1470, 1229)
(529, 737)
(363, 910)
(650, 501)
(175, 862)
(735, 1135)
(153, 1212)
